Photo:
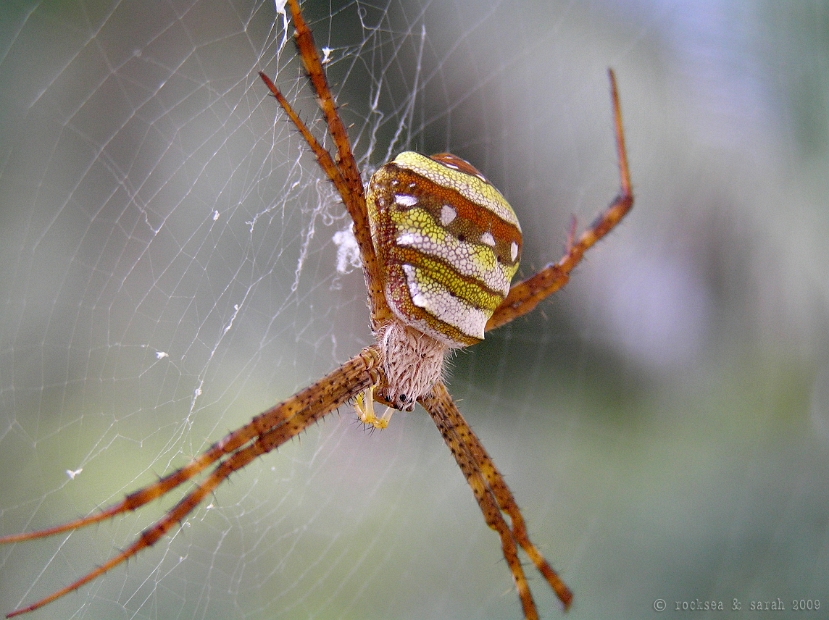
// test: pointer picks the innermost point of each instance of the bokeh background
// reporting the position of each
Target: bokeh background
(170, 265)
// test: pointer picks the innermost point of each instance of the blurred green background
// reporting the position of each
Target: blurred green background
(169, 269)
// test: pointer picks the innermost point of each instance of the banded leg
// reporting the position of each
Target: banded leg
(266, 432)
(343, 171)
(493, 496)
(526, 295)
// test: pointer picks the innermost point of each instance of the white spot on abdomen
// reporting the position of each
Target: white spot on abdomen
(447, 215)
(405, 200)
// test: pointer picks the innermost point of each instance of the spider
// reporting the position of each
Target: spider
(439, 247)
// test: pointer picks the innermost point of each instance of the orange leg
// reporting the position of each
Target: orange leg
(264, 433)
(526, 295)
(493, 496)
(343, 171)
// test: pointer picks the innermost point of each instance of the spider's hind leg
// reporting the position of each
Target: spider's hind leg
(524, 296)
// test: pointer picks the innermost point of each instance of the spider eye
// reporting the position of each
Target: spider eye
(448, 244)
(405, 402)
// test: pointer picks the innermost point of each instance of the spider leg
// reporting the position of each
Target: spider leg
(226, 445)
(506, 501)
(526, 295)
(354, 204)
(493, 496)
(313, 66)
(343, 172)
(267, 432)
(324, 158)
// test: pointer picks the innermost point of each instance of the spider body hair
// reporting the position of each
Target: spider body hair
(412, 361)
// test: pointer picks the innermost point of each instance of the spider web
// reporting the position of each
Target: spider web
(172, 263)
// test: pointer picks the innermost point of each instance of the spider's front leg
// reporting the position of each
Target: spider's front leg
(493, 497)
(264, 433)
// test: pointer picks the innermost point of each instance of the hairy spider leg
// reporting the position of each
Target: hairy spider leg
(437, 407)
(313, 66)
(265, 433)
(348, 181)
(493, 496)
(525, 296)
(229, 443)
(354, 204)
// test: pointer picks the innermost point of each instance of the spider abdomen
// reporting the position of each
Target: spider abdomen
(448, 244)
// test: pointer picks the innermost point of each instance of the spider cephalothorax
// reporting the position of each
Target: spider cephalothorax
(439, 247)
(448, 244)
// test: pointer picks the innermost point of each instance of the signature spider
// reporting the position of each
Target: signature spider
(439, 247)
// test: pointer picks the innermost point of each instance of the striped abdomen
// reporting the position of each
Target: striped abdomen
(447, 241)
